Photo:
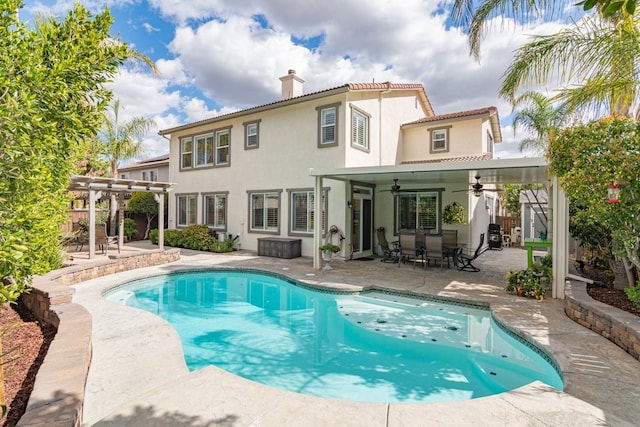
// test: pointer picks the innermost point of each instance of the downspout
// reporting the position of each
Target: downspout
(382, 92)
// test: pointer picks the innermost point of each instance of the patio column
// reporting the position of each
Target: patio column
(317, 224)
(93, 196)
(560, 249)
(160, 200)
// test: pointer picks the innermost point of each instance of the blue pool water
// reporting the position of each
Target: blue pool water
(373, 347)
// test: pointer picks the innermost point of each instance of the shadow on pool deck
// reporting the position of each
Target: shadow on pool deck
(138, 376)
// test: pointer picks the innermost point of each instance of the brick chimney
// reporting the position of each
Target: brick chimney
(291, 85)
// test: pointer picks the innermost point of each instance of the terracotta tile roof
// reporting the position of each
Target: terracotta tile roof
(487, 110)
(486, 156)
(384, 85)
(343, 88)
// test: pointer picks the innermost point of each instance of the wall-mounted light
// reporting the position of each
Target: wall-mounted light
(349, 204)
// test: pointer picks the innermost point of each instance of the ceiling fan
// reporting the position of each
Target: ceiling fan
(395, 188)
(477, 188)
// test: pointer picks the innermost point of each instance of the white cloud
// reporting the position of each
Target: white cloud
(220, 52)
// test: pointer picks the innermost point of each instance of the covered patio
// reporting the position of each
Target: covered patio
(460, 175)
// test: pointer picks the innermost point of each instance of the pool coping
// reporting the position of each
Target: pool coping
(589, 411)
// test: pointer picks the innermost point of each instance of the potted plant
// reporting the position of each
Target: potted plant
(328, 249)
(453, 214)
(531, 282)
(515, 282)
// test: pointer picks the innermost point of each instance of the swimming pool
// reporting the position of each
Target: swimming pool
(373, 346)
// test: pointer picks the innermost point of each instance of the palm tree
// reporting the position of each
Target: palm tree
(474, 20)
(539, 118)
(121, 141)
(597, 58)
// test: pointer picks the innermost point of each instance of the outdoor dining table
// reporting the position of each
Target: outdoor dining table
(455, 250)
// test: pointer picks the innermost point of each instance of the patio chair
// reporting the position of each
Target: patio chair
(390, 251)
(465, 260)
(80, 235)
(408, 249)
(103, 240)
(449, 243)
(434, 250)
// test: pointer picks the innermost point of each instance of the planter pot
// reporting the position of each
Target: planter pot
(520, 291)
(326, 257)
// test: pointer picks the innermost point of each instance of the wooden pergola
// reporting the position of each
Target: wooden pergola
(95, 186)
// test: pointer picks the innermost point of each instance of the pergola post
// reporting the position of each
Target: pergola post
(120, 199)
(160, 200)
(93, 196)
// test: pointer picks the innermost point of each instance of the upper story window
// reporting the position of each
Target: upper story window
(251, 133)
(186, 153)
(328, 125)
(124, 176)
(204, 150)
(215, 211)
(151, 175)
(211, 149)
(439, 140)
(302, 207)
(187, 209)
(489, 142)
(359, 129)
(264, 208)
(222, 147)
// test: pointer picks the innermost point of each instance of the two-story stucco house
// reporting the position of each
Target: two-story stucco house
(250, 173)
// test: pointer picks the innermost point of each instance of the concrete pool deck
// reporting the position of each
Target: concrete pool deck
(138, 376)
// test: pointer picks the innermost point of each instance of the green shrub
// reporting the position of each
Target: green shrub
(130, 229)
(197, 237)
(634, 295)
(153, 236)
(194, 237)
(173, 238)
(221, 246)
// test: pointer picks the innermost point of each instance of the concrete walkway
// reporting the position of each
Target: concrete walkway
(138, 375)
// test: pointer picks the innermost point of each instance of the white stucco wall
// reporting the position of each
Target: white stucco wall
(466, 138)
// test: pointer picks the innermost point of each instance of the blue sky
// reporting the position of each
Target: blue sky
(218, 56)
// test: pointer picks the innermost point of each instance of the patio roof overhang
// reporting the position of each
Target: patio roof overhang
(496, 171)
(95, 185)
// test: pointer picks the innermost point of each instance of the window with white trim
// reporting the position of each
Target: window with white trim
(265, 211)
(303, 211)
(418, 211)
(186, 153)
(215, 211)
(439, 140)
(251, 135)
(359, 129)
(187, 210)
(328, 125)
(204, 150)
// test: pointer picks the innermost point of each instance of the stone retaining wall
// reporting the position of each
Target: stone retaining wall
(58, 393)
(616, 325)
